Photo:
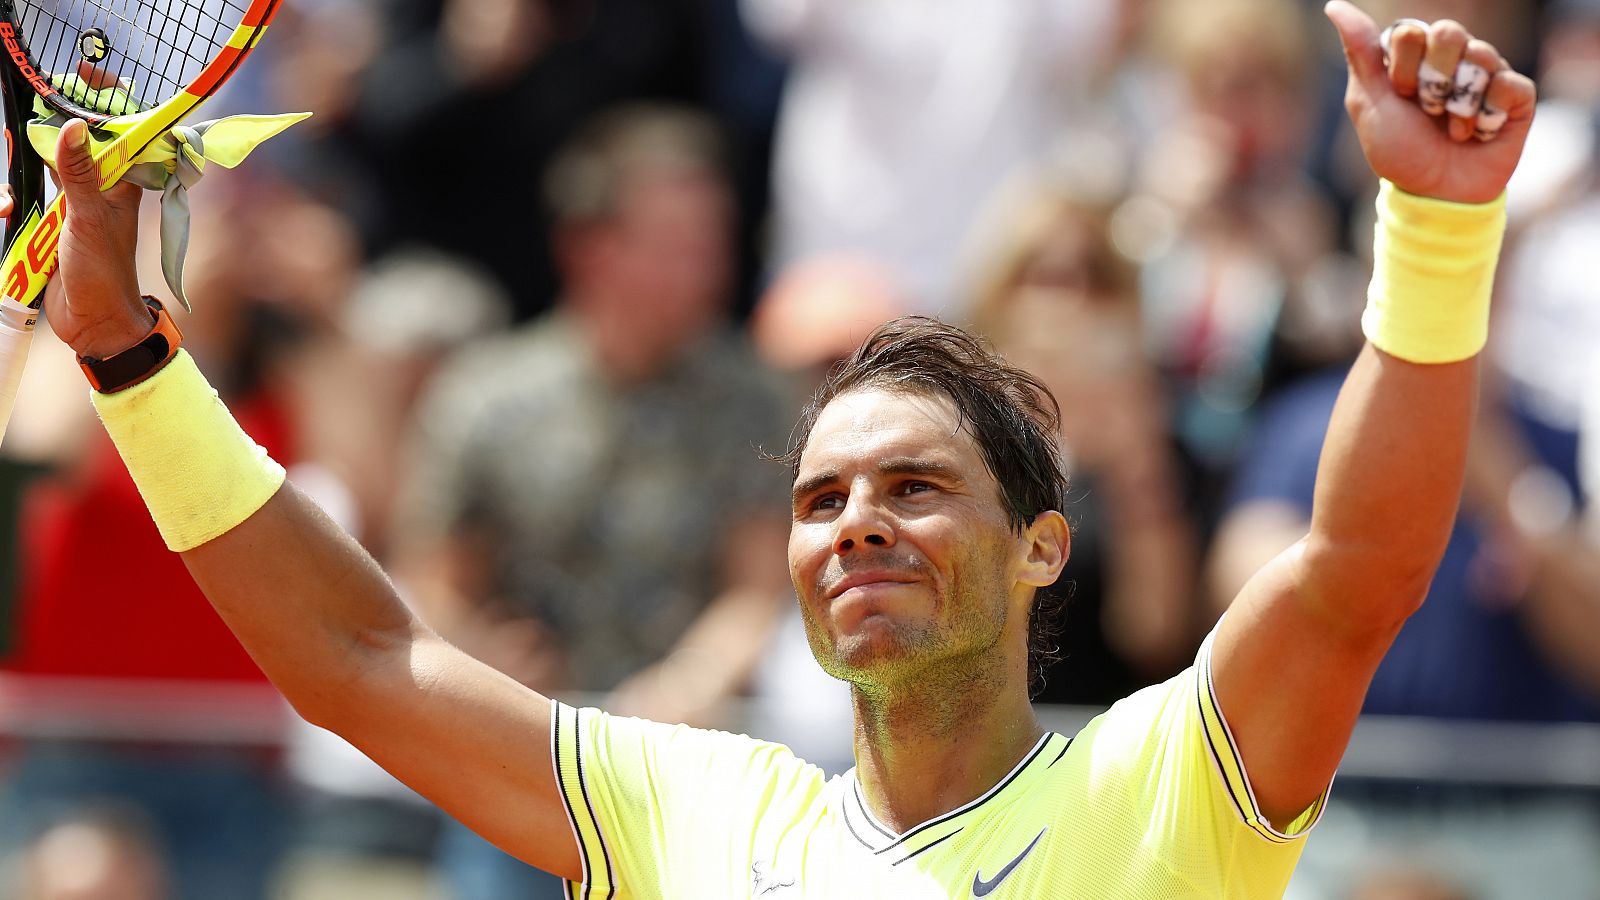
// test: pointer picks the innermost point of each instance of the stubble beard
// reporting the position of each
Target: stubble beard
(891, 659)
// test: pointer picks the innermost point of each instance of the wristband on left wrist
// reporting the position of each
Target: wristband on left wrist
(1432, 276)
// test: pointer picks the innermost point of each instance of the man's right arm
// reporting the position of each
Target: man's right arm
(312, 608)
(322, 620)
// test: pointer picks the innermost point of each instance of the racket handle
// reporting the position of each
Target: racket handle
(16, 333)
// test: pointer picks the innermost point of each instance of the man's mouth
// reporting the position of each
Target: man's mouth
(868, 579)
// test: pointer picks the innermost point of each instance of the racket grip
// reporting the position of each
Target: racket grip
(16, 333)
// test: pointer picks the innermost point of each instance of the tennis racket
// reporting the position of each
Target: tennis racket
(132, 69)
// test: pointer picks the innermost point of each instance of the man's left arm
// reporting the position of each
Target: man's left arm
(1294, 656)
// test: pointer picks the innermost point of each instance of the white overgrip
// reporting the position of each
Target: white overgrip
(16, 333)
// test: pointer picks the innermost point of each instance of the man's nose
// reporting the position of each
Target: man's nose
(864, 521)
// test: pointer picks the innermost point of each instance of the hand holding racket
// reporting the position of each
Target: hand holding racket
(130, 70)
(98, 312)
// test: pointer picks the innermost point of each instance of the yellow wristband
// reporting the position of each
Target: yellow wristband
(196, 469)
(1432, 273)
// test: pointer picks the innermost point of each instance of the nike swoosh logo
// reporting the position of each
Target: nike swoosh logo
(981, 888)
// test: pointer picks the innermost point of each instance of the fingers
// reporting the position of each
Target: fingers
(1510, 98)
(1479, 63)
(1408, 40)
(1362, 49)
(1461, 80)
(98, 77)
(74, 165)
(1436, 77)
(123, 195)
(8, 201)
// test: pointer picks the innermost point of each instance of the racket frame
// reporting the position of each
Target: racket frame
(115, 141)
(33, 234)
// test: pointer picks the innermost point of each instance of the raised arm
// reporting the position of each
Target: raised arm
(311, 607)
(1298, 647)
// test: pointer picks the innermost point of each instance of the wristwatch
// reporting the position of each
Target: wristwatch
(135, 364)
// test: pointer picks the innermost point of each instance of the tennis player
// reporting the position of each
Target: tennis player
(926, 528)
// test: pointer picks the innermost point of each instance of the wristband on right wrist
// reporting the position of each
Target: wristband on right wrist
(1432, 275)
(196, 469)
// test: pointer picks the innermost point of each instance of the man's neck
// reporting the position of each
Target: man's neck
(926, 750)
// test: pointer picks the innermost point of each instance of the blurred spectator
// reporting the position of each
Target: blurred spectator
(1547, 320)
(745, 83)
(408, 312)
(1526, 480)
(1060, 300)
(900, 118)
(527, 70)
(590, 512)
(1234, 238)
(94, 854)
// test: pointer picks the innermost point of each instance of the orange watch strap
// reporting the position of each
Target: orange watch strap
(135, 364)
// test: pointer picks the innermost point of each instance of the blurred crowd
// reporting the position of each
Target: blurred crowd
(528, 300)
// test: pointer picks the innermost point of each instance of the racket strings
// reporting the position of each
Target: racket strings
(153, 48)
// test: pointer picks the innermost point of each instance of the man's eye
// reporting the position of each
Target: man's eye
(916, 487)
(830, 501)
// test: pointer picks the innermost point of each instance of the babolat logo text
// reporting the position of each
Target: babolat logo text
(13, 44)
(8, 34)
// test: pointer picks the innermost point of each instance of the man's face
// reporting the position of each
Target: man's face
(900, 549)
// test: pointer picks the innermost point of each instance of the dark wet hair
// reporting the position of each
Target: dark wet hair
(1012, 416)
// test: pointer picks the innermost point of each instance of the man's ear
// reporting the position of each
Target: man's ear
(1049, 542)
